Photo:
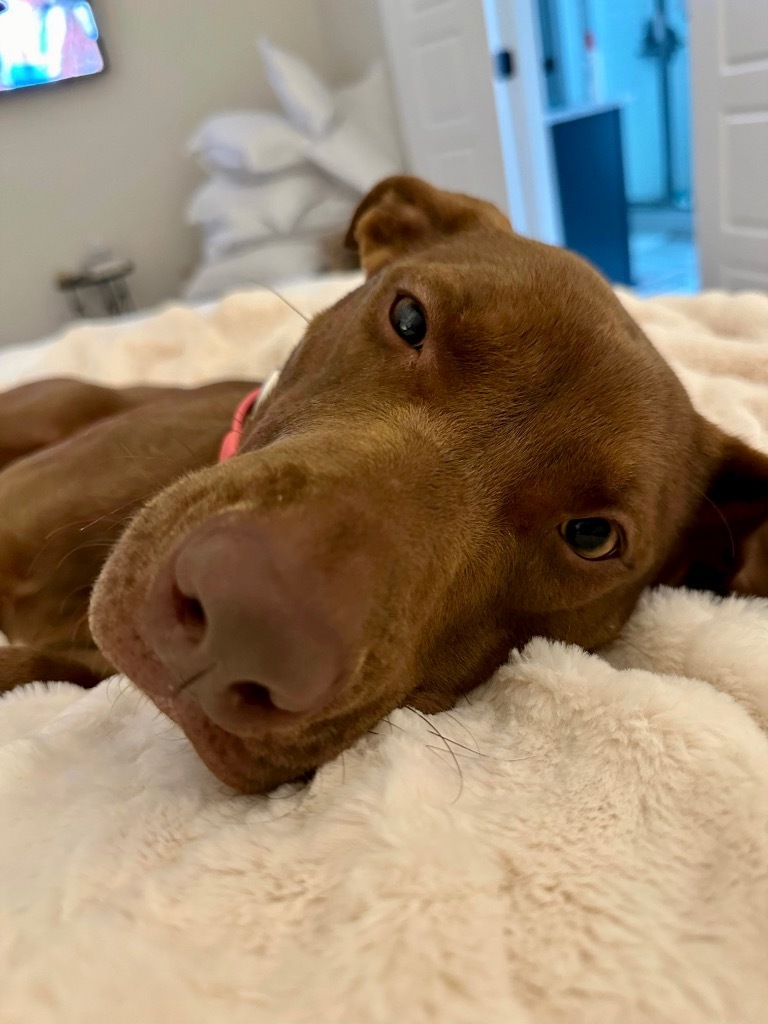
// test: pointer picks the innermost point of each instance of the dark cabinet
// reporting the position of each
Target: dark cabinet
(590, 175)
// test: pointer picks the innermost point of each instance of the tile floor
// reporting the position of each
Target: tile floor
(663, 251)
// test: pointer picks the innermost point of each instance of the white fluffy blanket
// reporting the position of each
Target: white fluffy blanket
(584, 840)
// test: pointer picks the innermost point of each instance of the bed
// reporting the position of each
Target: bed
(583, 839)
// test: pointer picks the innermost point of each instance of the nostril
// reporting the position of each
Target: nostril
(253, 695)
(190, 614)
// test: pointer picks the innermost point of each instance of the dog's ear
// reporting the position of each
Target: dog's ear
(726, 547)
(403, 214)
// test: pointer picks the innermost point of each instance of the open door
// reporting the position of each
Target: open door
(729, 79)
(461, 106)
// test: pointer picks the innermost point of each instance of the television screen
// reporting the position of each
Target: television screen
(43, 41)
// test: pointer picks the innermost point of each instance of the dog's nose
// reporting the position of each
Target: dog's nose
(247, 626)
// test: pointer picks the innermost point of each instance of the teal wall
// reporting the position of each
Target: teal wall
(618, 26)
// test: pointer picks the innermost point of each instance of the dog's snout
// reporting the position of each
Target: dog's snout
(248, 627)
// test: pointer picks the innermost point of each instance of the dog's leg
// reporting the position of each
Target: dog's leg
(45, 412)
(64, 507)
(22, 665)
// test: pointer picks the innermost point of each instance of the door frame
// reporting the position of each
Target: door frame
(521, 114)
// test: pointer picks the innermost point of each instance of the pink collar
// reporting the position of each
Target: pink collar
(231, 443)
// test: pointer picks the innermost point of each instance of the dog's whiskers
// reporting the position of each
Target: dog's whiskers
(475, 755)
(279, 295)
(725, 523)
(436, 732)
(461, 724)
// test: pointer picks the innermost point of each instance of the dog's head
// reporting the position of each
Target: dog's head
(476, 446)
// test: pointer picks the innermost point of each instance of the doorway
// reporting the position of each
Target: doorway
(635, 55)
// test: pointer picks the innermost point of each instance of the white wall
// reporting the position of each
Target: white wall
(354, 36)
(103, 159)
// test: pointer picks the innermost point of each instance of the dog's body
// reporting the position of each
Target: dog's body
(476, 447)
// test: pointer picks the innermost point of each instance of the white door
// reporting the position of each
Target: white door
(451, 109)
(729, 85)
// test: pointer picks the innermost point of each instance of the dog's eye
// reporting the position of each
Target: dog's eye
(409, 321)
(591, 538)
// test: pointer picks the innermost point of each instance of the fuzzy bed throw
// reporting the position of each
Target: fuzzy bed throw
(585, 839)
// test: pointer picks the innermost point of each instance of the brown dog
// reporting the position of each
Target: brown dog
(475, 447)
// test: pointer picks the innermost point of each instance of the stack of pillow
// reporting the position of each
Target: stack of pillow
(282, 187)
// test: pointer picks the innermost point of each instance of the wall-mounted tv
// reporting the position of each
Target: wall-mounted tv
(44, 41)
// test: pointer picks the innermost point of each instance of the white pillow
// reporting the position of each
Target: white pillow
(364, 146)
(333, 213)
(248, 143)
(329, 217)
(276, 204)
(270, 263)
(304, 98)
(304, 201)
